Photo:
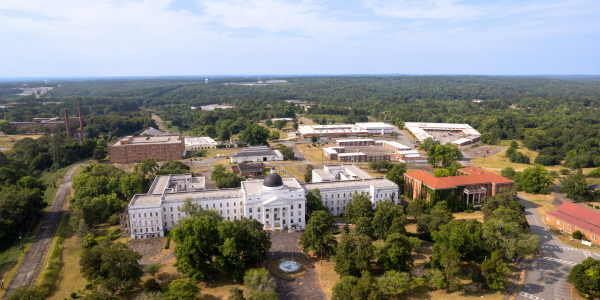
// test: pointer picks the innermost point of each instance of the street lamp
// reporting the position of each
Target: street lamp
(21, 241)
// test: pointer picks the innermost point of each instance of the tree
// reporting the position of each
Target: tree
(416, 208)
(287, 153)
(219, 171)
(450, 262)
(577, 235)
(508, 238)
(194, 210)
(130, 185)
(361, 206)
(174, 165)
(257, 282)
(585, 277)
(353, 254)
(274, 135)
(352, 288)
(236, 293)
(438, 216)
(279, 124)
(535, 180)
(514, 144)
(194, 258)
(269, 122)
(396, 175)
(509, 152)
(388, 218)
(230, 180)
(427, 143)
(575, 185)
(503, 199)
(313, 139)
(28, 293)
(295, 125)
(254, 134)
(453, 168)
(151, 285)
(495, 271)
(150, 296)
(415, 243)
(308, 174)
(99, 154)
(152, 269)
(446, 154)
(89, 241)
(314, 202)
(441, 173)
(465, 237)
(318, 235)
(98, 295)
(395, 254)
(509, 173)
(182, 289)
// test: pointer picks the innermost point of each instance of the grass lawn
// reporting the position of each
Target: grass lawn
(6, 142)
(541, 203)
(327, 275)
(411, 225)
(499, 161)
(469, 216)
(298, 171)
(53, 177)
(315, 154)
(570, 241)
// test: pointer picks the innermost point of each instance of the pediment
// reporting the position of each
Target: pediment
(276, 201)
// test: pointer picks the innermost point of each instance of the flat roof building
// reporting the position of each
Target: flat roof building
(289, 120)
(196, 143)
(419, 130)
(377, 128)
(256, 154)
(214, 106)
(132, 149)
(346, 130)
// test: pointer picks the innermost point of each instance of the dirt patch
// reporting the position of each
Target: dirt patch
(152, 250)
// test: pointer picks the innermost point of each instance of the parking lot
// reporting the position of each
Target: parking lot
(446, 136)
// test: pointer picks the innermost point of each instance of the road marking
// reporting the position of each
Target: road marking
(560, 261)
(587, 254)
(542, 284)
(522, 294)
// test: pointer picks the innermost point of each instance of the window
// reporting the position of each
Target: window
(235, 218)
(164, 209)
(300, 213)
(221, 204)
(250, 217)
(227, 218)
(172, 222)
(299, 220)
(258, 209)
(139, 215)
(299, 205)
(206, 206)
(234, 211)
(140, 223)
(171, 216)
(213, 205)
(171, 209)
(228, 211)
(165, 223)
(291, 214)
(250, 209)
(338, 195)
(221, 212)
(179, 215)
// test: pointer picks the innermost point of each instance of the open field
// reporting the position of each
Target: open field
(541, 203)
(8, 141)
(469, 216)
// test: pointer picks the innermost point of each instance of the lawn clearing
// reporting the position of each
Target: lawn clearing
(477, 215)
(8, 141)
(541, 203)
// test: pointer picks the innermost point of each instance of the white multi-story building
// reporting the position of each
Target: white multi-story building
(256, 154)
(275, 202)
(196, 143)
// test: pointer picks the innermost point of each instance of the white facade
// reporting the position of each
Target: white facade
(420, 129)
(281, 205)
(196, 143)
(256, 154)
(377, 128)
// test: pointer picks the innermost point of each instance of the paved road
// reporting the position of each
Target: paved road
(159, 123)
(545, 277)
(28, 271)
(305, 287)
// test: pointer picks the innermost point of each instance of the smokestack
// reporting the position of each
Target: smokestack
(80, 116)
(67, 123)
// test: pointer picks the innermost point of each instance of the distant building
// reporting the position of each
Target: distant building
(355, 142)
(288, 120)
(296, 102)
(395, 146)
(377, 128)
(472, 186)
(232, 144)
(214, 106)
(197, 143)
(410, 156)
(339, 173)
(151, 131)
(132, 149)
(256, 154)
(571, 217)
(346, 130)
(420, 130)
(276, 81)
(477, 101)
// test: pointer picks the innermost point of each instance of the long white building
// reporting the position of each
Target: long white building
(274, 201)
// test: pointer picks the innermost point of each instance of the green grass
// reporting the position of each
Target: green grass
(52, 267)
(50, 178)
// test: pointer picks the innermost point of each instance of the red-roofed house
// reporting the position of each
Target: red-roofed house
(472, 184)
(571, 217)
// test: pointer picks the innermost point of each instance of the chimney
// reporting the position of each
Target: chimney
(67, 123)
(80, 116)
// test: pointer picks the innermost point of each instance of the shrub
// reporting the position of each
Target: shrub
(88, 285)
(114, 219)
(469, 211)
(151, 285)
(577, 235)
(597, 207)
(514, 144)
(589, 204)
(168, 242)
(547, 160)
(73, 295)
(510, 151)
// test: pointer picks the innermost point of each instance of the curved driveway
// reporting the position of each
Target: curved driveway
(545, 278)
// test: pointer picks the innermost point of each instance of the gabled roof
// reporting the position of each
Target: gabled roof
(456, 181)
(580, 212)
(585, 225)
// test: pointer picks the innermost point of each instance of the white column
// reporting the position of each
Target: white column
(272, 218)
(289, 216)
(263, 220)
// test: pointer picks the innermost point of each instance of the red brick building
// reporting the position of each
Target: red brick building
(571, 217)
(475, 183)
(355, 142)
(132, 149)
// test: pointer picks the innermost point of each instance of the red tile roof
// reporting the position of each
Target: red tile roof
(456, 181)
(580, 212)
(575, 221)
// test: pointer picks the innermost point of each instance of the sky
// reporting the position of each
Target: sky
(75, 38)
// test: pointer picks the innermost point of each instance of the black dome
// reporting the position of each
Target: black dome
(273, 180)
